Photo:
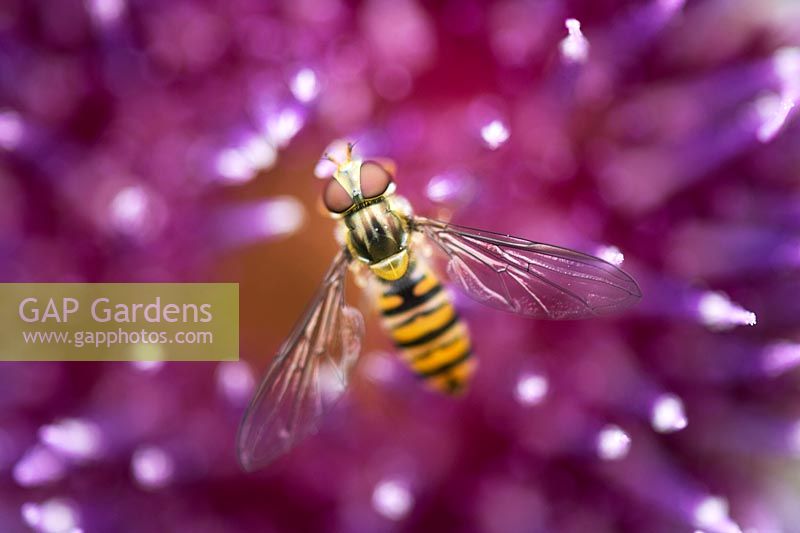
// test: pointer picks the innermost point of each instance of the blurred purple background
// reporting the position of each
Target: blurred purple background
(177, 141)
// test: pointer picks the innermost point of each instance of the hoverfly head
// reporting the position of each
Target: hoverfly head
(354, 183)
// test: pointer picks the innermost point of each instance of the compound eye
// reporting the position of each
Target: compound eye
(335, 198)
(374, 179)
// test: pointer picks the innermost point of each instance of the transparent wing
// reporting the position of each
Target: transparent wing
(530, 278)
(306, 377)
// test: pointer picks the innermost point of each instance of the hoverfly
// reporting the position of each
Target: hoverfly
(380, 237)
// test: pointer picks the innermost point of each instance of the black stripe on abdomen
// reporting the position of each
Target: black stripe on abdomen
(410, 300)
(428, 336)
(439, 370)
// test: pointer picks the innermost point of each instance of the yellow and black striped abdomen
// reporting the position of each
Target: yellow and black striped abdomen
(423, 323)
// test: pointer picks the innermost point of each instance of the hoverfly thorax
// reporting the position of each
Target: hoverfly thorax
(359, 196)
